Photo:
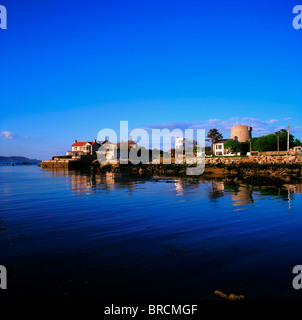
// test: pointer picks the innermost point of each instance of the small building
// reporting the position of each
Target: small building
(219, 149)
(125, 145)
(297, 149)
(128, 144)
(84, 148)
(112, 151)
(181, 143)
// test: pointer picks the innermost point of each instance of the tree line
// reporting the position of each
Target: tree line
(276, 141)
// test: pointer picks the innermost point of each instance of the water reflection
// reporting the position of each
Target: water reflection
(86, 182)
(217, 190)
(242, 195)
(182, 186)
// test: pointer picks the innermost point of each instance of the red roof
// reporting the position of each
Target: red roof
(80, 144)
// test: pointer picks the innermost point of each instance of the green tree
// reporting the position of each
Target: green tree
(245, 147)
(282, 133)
(297, 142)
(213, 136)
(232, 146)
(270, 142)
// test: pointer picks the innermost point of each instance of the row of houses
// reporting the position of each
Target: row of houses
(84, 149)
(240, 133)
(81, 149)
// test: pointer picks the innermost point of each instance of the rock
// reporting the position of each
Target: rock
(232, 296)
(220, 294)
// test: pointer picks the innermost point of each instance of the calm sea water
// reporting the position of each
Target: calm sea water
(69, 234)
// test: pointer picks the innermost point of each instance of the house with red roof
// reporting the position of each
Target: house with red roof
(84, 148)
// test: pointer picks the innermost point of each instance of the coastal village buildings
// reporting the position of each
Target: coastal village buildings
(85, 148)
(240, 133)
(218, 148)
(297, 149)
(180, 144)
(113, 149)
(90, 149)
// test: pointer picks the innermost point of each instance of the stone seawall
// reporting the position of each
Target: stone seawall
(261, 159)
(64, 163)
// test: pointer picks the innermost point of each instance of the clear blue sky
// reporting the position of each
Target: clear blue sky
(71, 68)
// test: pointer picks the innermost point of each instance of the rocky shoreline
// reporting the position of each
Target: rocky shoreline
(254, 170)
(258, 171)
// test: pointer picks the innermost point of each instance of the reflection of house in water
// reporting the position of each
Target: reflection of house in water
(182, 185)
(106, 181)
(85, 182)
(179, 188)
(217, 190)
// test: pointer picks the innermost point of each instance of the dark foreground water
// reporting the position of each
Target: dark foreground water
(68, 234)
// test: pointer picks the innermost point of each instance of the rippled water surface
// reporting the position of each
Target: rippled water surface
(70, 234)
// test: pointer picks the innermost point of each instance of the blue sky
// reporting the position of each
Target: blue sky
(71, 68)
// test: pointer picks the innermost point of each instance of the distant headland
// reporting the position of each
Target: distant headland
(12, 160)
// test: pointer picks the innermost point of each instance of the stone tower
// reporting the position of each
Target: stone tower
(241, 133)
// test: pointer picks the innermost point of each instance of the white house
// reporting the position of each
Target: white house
(180, 143)
(112, 151)
(218, 148)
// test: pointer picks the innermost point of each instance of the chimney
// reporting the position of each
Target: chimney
(130, 137)
(94, 140)
(106, 138)
(75, 141)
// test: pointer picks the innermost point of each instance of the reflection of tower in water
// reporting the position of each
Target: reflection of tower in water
(242, 196)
